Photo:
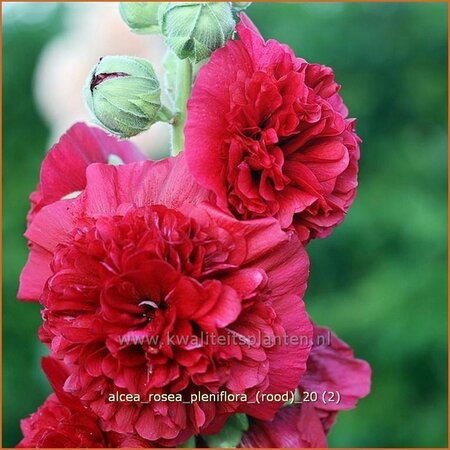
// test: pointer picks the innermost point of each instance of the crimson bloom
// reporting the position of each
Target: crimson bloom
(268, 133)
(331, 368)
(54, 425)
(136, 270)
(63, 172)
(63, 177)
(62, 421)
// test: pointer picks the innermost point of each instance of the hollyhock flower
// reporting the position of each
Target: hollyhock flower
(63, 171)
(133, 273)
(56, 426)
(118, 440)
(268, 133)
(63, 175)
(330, 368)
(62, 421)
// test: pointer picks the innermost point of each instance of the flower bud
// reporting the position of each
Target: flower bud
(123, 93)
(194, 30)
(141, 17)
(240, 6)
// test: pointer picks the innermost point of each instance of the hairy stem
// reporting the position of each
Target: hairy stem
(183, 92)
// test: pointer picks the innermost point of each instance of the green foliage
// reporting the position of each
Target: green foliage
(379, 281)
(231, 433)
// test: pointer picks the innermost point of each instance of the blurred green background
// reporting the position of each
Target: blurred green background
(380, 281)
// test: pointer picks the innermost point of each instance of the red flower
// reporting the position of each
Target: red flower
(330, 368)
(136, 270)
(63, 177)
(62, 421)
(117, 440)
(267, 132)
(56, 426)
(63, 171)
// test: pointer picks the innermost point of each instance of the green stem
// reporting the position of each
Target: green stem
(183, 87)
(166, 115)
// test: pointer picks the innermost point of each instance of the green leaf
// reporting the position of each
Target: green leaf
(241, 421)
(231, 433)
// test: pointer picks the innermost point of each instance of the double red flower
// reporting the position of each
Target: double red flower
(138, 255)
(177, 277)
(268, 133)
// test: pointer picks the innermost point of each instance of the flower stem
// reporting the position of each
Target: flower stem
(183, 88)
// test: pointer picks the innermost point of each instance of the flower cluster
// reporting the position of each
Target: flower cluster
(185, 277)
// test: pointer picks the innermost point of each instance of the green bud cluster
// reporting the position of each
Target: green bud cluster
(123, 92)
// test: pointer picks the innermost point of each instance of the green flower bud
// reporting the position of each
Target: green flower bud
(141, 17)
(194, 30)
(240, 6)
(123, 93)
